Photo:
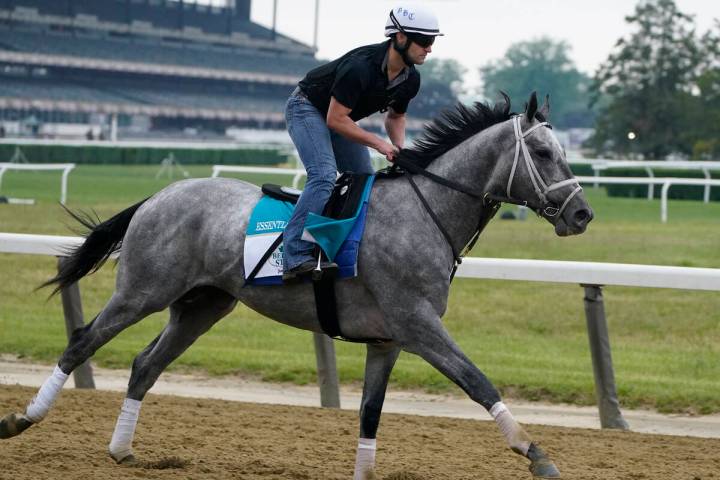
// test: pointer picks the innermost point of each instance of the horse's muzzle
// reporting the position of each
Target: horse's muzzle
(573, 222)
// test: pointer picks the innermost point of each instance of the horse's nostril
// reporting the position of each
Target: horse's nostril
(582, 216)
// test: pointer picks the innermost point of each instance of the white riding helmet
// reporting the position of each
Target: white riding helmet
(410, 18)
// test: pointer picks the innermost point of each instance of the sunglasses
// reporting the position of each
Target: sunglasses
(422, 40)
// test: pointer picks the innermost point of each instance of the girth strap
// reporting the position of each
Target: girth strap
(326, 308)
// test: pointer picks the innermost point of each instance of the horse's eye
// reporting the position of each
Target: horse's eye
(541, 152)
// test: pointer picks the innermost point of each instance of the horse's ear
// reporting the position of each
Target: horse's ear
(532, 107)
(545, 109)
(504, 108)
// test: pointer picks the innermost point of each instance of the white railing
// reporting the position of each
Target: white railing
(666, 183)
(65, 167)
(152, 144)
(295, 172)
(600, 164)
(378, 162)
(604, 163)
(592, 276)
(591, 273)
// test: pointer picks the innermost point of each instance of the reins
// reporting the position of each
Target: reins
(490, 200)
(494, 205)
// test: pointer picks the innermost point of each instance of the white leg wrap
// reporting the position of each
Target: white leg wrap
(516, 437)
(365, 459)
(121, 443)
(40, 405)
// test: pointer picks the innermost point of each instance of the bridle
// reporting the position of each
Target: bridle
(491, 201)
(539, 185)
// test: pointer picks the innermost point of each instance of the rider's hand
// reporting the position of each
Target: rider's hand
(389, 150)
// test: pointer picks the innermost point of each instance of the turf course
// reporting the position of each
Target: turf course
(529, 338)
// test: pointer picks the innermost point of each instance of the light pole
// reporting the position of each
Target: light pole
(315, 34)
(274, 24)
(632, 136)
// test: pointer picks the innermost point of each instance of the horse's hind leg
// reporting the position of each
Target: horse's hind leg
(378, 365)
(431, 341)
(190, 317)
(117, 315)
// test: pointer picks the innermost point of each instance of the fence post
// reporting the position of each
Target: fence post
(72, 309)
(327, 371)
(608, 405)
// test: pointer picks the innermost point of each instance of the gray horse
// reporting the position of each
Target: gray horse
(183, 248)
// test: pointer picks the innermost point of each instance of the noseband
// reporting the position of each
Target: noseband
(539, 185)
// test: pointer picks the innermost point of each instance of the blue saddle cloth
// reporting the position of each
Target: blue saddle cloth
(339, 239)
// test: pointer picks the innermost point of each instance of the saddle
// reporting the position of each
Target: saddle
(279, 192)
(336, 233)
(344, 199)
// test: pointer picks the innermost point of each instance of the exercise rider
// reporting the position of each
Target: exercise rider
(322, 111)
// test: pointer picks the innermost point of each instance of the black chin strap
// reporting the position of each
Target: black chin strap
(402, 50)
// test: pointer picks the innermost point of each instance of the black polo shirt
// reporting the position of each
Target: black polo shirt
(358, 80)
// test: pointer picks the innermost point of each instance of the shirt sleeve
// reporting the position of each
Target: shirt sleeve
(350, 83)
(405, 94)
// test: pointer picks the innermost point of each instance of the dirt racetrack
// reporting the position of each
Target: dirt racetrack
(181, 438)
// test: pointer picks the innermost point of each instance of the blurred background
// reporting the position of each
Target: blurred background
(627, 80)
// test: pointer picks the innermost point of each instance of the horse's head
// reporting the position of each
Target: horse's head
(535, 172)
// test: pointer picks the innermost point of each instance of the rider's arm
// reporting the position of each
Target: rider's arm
(395, 127)
(338, 119)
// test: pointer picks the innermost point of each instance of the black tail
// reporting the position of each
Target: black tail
(102, 240)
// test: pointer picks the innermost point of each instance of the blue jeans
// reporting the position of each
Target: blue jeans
(323, 153)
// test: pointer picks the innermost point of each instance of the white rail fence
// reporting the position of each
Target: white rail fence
(65, 167)
(295, 172)
(599, 165)
(666, 182)
(590, 275)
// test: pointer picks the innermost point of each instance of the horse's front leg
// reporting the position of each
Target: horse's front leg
(426, 337)
(378, 365)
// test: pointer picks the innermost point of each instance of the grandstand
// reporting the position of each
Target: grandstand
(142, 68)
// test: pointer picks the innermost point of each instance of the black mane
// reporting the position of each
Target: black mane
(453, 127)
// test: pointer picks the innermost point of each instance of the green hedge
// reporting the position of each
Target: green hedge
(680, 192)
(582, 170)
(136, 156)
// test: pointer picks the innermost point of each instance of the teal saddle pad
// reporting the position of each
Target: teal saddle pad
(338, 238)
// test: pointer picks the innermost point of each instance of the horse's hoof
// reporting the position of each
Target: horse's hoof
(544, 469)
(128, 460)
(541, 466)
(14, 424)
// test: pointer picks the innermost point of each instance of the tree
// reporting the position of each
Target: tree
(649, 82)
(541, 65)
(706, 121)
(442, 82)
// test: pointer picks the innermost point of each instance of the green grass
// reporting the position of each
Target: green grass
(529, 338)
